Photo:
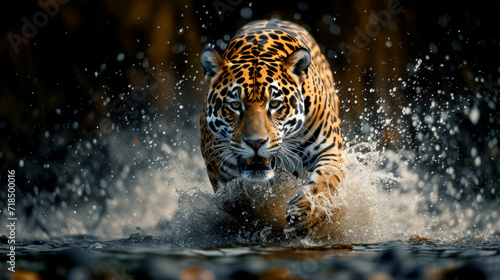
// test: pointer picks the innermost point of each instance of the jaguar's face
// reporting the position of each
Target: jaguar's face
(254, 111)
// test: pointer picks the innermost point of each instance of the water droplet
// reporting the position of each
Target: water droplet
(246, 13)
(474, 115)
(120, 57)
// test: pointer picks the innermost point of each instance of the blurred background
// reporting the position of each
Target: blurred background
(76, 75)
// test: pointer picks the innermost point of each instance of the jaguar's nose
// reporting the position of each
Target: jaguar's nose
(255, 143)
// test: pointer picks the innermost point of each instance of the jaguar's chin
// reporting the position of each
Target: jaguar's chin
(257, 169)
(257, 176)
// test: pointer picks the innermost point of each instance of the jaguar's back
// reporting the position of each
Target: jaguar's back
(303, 38)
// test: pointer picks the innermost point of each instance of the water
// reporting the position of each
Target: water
(146, 257)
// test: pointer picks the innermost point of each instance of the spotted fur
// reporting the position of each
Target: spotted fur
(272, 102)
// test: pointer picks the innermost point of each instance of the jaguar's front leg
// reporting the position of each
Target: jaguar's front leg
(317, 209)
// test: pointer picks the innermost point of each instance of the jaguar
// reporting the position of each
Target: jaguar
(272, 105)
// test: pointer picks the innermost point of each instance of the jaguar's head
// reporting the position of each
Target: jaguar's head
(255, 109)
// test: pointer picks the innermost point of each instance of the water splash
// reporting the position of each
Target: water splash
(386, 195)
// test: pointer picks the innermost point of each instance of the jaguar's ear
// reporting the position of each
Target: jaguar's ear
(211, 62)
(298, 62)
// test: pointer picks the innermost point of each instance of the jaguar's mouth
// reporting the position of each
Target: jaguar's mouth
(257, 163)
(258, 169)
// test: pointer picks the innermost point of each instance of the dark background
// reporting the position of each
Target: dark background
(97, 67)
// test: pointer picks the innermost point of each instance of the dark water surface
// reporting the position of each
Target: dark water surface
(146, 257)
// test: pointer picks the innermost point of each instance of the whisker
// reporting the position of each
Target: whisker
(228, 158)
(219, 148)
(311, 135)
(293, 147)
(291, 158)
(285, 160)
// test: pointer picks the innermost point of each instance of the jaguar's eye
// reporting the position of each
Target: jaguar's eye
(275, 104)
(235, 105)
